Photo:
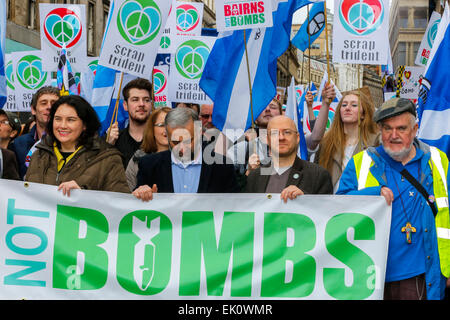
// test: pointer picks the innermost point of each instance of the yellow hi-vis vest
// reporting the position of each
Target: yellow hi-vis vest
(439, 166)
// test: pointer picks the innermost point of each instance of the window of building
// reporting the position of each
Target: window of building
(315, 46)
(420, 18)
(91, 26)
(403, 17)
(32, 14)
(401, 54)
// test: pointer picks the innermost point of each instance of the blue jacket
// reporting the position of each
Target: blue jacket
(435, 281)
(21, 146)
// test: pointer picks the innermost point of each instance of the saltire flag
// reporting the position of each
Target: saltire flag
(225, 78)
(3, 93)
(103, 101)
(434, 95)
(65, 78)
(311, 28)
(293, 111)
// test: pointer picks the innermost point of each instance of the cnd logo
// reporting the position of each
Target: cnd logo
(258, 34)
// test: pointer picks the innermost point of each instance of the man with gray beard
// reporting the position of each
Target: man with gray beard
(413, 178)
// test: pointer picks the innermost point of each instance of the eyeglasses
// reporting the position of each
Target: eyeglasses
(206, 116)
(286, 133)
(4, 122)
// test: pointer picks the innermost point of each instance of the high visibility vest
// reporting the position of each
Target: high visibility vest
(439, 167)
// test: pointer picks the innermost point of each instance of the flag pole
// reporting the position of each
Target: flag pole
(309, 49)
(116, 107)
(359, 105)
(249, 79)
(326, 39)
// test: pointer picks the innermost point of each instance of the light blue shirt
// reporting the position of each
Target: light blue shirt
(186, 175)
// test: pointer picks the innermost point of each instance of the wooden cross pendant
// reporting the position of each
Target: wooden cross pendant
(408, 229)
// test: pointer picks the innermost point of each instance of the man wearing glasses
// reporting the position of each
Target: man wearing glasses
(287, 174)
(182, 168)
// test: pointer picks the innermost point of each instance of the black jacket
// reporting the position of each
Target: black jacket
(156, 168)
(308, 177)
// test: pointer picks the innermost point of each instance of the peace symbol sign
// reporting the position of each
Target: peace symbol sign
(165, 42)
(362, 16)
(316, 24)
(191, 58)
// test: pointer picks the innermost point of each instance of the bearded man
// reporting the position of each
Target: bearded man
(413, 178)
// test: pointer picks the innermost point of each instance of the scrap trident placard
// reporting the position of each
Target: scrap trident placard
(360, 31)
(133, 36)
(63, 26)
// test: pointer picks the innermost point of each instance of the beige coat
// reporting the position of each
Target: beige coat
(337, 168)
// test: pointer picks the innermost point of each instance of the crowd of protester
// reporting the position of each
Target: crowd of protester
(178, 150)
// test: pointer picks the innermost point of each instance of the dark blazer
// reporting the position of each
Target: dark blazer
(156, 168)
(307, 176)
(9, 165)
(21, 145)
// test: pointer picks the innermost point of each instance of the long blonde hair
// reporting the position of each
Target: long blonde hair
(334, 140)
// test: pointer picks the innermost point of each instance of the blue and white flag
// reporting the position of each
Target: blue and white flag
(225, 78)
(294, 112)
(65, 78)
(434, 95)
(3, 94)
(311, 28)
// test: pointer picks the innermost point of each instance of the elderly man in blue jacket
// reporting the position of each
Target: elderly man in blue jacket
(413, 178)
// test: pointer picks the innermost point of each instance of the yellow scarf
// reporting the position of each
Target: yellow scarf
(60, 158)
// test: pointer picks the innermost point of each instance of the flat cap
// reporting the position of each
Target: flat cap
(13, 119)
(394, 107)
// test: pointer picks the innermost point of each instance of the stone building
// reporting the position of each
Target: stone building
(408, 20)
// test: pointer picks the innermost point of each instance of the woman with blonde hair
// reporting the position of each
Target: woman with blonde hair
(154, 140)
(351, 131)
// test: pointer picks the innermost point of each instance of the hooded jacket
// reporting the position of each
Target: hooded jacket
(96, 168)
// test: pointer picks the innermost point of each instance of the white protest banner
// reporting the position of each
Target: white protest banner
(360, 31)
(186, 68)
(10, 104)
(165, 45)
(188, 18)
(29, 77)
(185, 18)
(411, 82)
(105, 245)
(243, 14)
(134, 34)
(63, 25)
(160, 86)
(423, 53)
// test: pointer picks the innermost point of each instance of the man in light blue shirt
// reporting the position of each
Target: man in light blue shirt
(182, 169)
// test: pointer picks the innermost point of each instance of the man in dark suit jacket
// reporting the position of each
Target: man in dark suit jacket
(182, 168)
(288, 174)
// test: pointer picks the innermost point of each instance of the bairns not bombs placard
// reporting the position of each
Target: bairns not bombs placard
(360, 31)
(243, 14)
(160, 86)
(186, 69)
(133, 36)
(63, 26)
